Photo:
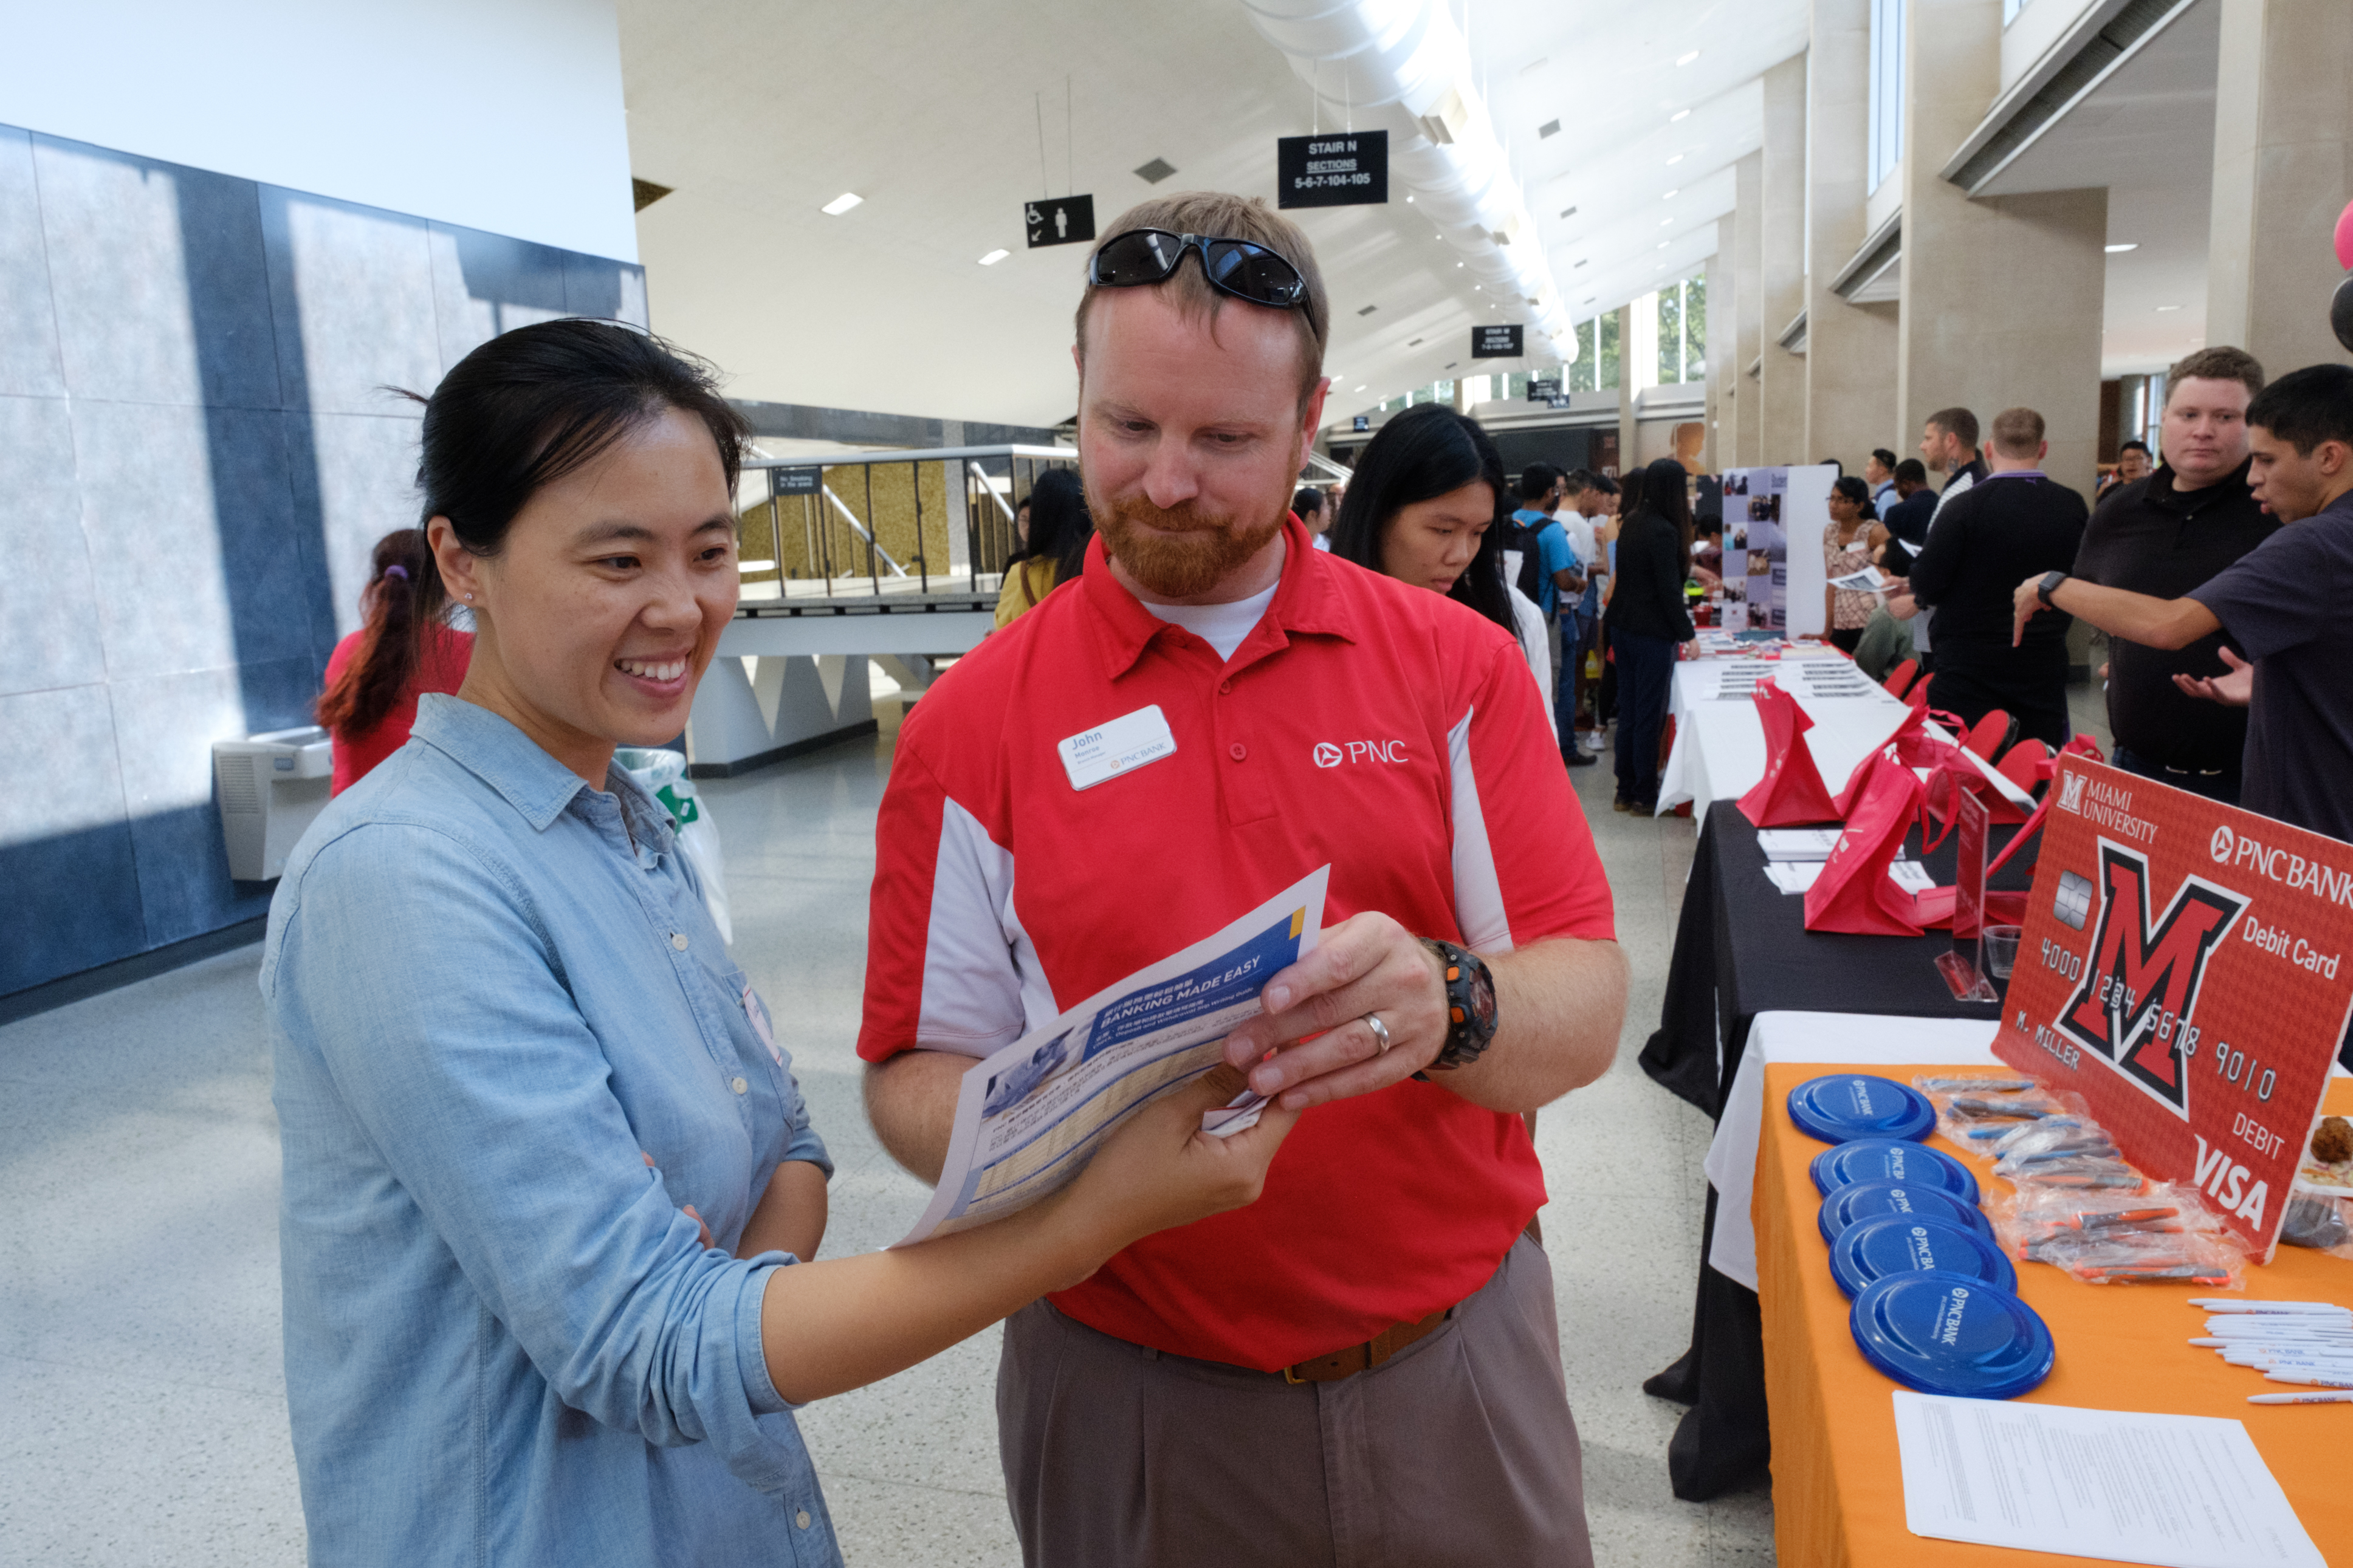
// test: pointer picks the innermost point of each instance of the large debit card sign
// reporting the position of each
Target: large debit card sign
(2187, 967)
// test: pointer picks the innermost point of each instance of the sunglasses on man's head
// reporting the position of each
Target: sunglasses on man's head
(1235, 267)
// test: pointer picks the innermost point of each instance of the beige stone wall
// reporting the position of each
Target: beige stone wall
(2283, 169)
(1781, 378)
(1850, 348)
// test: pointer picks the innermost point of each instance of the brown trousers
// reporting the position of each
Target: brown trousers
(1459, 1450)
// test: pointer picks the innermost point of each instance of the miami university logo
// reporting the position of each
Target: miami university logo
(2140, 989)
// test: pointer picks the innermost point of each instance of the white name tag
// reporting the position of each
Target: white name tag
(1121, 746)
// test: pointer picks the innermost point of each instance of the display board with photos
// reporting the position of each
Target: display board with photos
(2183, 967)
(1756, 550)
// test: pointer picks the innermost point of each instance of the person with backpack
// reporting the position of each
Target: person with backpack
(1543, 566)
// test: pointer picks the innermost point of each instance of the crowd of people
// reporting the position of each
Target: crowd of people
(551, 1221)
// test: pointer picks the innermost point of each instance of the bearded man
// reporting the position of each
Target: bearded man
(1362, 1367)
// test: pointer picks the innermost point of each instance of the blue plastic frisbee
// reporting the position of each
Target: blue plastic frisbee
(1873, 1250)
(1846, 1106)
(1949, 1333)
(1860, 1201)
(1891, 1160)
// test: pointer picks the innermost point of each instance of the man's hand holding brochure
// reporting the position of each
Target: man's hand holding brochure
(1030, 1117)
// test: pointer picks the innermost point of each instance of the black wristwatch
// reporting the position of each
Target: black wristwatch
(2048, 586)
(1470, 1007)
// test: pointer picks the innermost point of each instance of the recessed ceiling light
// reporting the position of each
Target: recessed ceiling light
(1458, 264)
(1671, 195)
(1687, 60)
(841, 204)
(1666, 223)
(994, 257)
(1453, 363)
(1673, 161)
(1368, 310)
(1590, 298)
(1155, 171)
(1679, 114)
(1415, 345)
(2161, 309)
(1662, 245)
(2120, 249)
(1360, 389)
(1477, 287)
(1549, 127)
(1574, 266)
(1568, 212)
(1408, 200)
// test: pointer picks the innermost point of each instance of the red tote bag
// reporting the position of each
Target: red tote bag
(1854, 893)
(1792, 792)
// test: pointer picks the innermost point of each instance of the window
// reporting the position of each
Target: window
(2009, 10)
(1886, 138)
(1682, 331)
(1596, 368)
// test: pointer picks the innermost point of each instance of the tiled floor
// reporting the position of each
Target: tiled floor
(139, 1357)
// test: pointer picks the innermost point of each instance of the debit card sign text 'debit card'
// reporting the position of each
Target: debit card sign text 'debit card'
(2187, 967)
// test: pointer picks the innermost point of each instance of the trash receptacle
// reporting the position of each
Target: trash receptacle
(271, 788)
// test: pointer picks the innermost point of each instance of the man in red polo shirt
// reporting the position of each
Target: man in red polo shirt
(1364, 1367)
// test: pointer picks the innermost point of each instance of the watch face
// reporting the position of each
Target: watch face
(1478, 988)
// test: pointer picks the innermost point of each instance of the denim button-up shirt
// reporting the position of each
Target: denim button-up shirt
(490, 988)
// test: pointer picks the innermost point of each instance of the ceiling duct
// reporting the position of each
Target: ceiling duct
(1402, 65)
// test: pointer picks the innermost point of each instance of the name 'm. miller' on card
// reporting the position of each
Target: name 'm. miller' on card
(2181, 967)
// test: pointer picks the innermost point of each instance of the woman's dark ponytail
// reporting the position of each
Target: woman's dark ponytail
(372, 684)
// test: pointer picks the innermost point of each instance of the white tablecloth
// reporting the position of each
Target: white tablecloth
(1719, 749)
(1863, 1038)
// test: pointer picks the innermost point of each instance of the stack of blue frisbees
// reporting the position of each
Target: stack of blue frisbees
(1934, 1298)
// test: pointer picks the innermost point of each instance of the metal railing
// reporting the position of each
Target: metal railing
(875, 523)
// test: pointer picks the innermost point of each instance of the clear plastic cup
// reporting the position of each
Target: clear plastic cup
(2000, 950)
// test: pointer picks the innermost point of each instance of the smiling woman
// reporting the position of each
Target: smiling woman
(549, 1185)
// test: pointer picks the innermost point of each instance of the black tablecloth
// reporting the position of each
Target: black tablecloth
(1742, 949)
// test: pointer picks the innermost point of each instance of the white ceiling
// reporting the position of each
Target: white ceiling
(759, 113)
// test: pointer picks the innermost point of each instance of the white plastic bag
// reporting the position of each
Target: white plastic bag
(662, 774)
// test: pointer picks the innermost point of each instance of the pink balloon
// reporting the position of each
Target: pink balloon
(2345, 237)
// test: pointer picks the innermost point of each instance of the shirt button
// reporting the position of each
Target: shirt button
(801, 1520)
(738, 1085)
(678, 940)
(1238, 750)
(1225, 687)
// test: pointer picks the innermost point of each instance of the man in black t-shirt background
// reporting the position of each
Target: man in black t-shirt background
(2165, 535)
(2014, 520)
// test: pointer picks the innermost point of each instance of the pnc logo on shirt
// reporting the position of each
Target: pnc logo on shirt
(1328, 755)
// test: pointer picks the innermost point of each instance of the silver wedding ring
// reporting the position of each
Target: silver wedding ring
(1381, 1033)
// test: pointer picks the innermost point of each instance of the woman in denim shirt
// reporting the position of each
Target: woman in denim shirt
(517, 1075)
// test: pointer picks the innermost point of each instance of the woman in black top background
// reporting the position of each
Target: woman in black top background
(1647, 619)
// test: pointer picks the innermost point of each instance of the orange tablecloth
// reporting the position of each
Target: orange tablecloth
(1838, 1482)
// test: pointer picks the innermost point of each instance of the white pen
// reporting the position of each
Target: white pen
(2333, 1396)
(2226, 1304)
(2315, 1379)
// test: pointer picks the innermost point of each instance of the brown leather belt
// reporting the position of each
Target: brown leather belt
(1355, 1359)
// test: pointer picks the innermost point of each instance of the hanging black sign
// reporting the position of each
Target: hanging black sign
(795, 481)
(1337, 169)
(1495, 343)
(1058, 220)
(1541, 387)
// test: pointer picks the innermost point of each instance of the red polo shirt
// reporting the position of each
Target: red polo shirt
(1382, 727)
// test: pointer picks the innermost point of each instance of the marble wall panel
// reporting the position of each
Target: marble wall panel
(365, 481)
(485, 284)
(66, 854)
(145, 477)
(610, 291)
(28, 334)
(49, 614)
(351, 290)
(157, 278)
(167, 724)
